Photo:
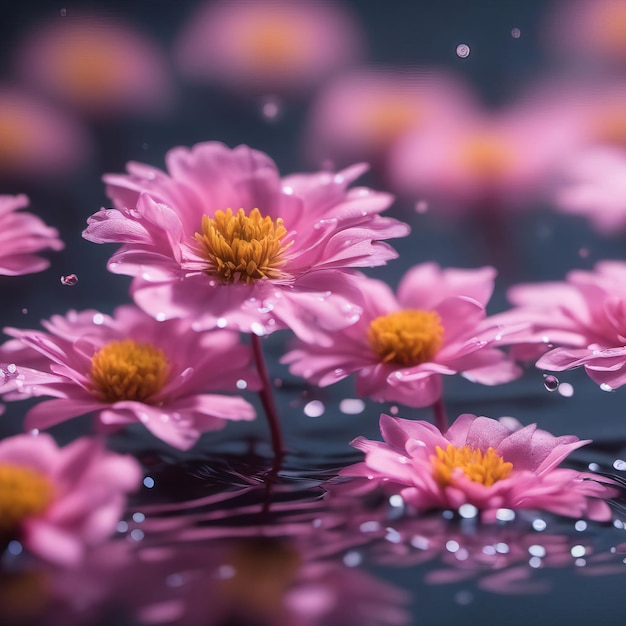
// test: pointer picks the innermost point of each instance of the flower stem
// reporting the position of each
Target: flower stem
(441, 417)
(267, 400)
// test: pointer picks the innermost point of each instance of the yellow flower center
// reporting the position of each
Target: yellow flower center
(485, 469)
(127, 370)
(15, 135)
(24, 493)
(243, 248)
(406, 337)
(388, 118)
(485, 156)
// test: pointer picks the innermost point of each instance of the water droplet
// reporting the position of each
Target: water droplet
(221, 322)
(580, 525)
(468, 511)
(577, 551)
(15, 548)
(139, 517)
(462, 50)
(535, 562)
(241, 384)
(63, 12)
(539, 525)
(271, 108)
(136, 534)
(516, 33)
(583, 253)
(288, 190)
(620, 465)
(502, 548)
(352, 406)
(315, 408)
(551, 383)
(566, 390)
(419, 542)
(258, 329)
(122, 527)
(393, 536)
(452, 546)
(24, 311)
(606, 387)
(464, 598)
(447, 515)
(421, 206)
(505, 515)
(537, 550)
(393, 410)
(352, 559)
(161, 317)
(98, 319)
(70, 280)
(148, 482)
(580, 562)
(397, 501)
(370, 527)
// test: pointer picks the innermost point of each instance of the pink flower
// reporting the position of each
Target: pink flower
(96, 64)
(130, 368)
(36, 140)
(221, 239)
(585, 316)
(403, 344)
(282, 46)
(22, 235)
(58, 501)
(594, 186)
(479, 461)
(360, 115)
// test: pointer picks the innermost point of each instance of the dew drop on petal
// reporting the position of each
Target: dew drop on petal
(505, 515)
(620, 465)
(502, 548)
(352, 406)
(396, 501)
(606, 387)
(516, 33)
(161, 317)
(70, 280)
(136, 534)
(462, 50)
(98, 319)
(139, 517)
(221, 322)
(551, 383)
(315, 408)
(257, 329)
(535, 562)
(452, 546)
(241, 384)
(122, 527)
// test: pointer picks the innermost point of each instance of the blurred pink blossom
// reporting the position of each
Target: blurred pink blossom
(22, 235)
(277, 47)
(360, 115)
(130, 368)
(585, 317)
(223, 240)
(36, 140)
(479, 461)
(58, 501)
(96, 64)
(403, 343)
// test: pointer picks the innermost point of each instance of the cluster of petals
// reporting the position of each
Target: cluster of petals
(277, 47)
(584, 317)
(22, 235)
(455, 298)
(322, 227)
(70, 498)
(160, 374)
(407, 461)
(96, 64)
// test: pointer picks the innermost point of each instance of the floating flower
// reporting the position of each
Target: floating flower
(130, 368)
(583, 316)
(479, 461)
(273, 47)
(96, 64)
(36, 140)
(360, 115)
(57, 501)
(403, 344)
(23, 235)
(222, 240)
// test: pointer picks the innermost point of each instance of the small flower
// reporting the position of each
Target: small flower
(479, 461)
(23, 234)
(130, 368)
(268, 48)
(222, 240)
(37, 141)
(403, 344)
(583, 316)
(57, 501)
(96, 64)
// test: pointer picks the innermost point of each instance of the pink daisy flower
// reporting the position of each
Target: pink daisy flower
(281, 46)
(36, 140)
(479, 461)
(583, 316)
(22, 235)
(130, 368)
(223, 240)
(403, 343)
(58, 501)
(96, 64)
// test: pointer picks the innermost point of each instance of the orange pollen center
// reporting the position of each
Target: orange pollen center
(24, 493)
(485, 156)
(127, 370)
(485, 469)
(387, 119)
(406, 337)
(271, 42)
(243, 248)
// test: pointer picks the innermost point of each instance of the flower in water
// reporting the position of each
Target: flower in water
(23, 235)
(481, 462)
(221, 239)
(403, 343)
(583, 317)
(97, 65)
(37, 141)
(129, 368)
(57, 501)
(278, 47)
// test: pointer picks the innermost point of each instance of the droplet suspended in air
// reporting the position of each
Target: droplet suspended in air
(421, 206)
(315, 408)
(63, 12)
(70, 280)
(463, 50)
(551, 383)
(606, 387)
(516, 33)
(271, 108)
